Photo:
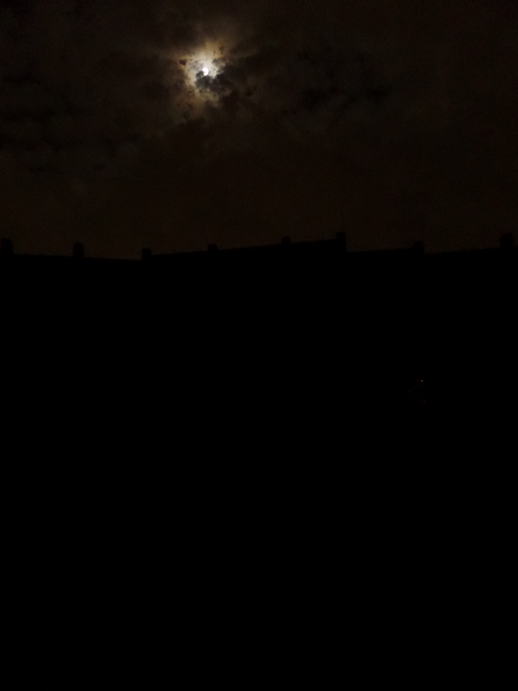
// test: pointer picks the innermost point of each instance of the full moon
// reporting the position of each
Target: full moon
(207, 62)
(208, 68)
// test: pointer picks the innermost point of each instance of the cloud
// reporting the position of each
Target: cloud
(102, 73)
(378, 99)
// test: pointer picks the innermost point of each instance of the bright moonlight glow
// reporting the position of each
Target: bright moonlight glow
(208, 68)
(206, 63)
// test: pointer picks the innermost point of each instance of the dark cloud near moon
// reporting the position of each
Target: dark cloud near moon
(397, 119)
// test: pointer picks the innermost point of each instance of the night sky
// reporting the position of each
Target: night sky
(173, 124)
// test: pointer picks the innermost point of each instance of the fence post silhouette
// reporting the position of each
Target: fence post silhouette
(507, 242)
(341, 241)
(78, 251)
(6, 248)
(419, 248)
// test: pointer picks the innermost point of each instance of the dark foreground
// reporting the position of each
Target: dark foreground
(225, 461)
(287, 331)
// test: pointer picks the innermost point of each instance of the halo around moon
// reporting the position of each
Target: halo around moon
(201, 66)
